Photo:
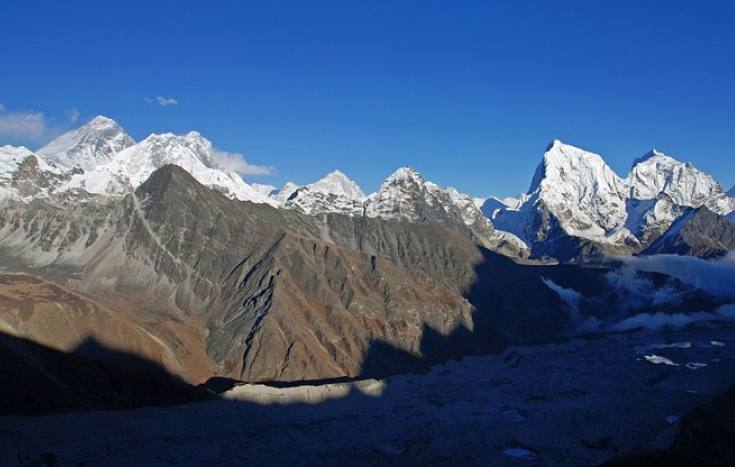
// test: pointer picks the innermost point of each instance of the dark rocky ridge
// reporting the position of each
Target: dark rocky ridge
(698, 232)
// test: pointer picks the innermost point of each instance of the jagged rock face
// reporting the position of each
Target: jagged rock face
(10, 157)
(318, 203)
(31, 180)
(93, 144)
(648, 219)
(24, 176)
(406, 196)
(697, 232)
(279, 295)
(334, 193)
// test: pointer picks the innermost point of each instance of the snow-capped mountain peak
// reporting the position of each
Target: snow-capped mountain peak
(405, 174)
(335, 193)
(657, 173)
(134, 164)
(96, 142)
(649, 155)
(406, 196)
(563, 162)
(585, 198)
(338, 183)
(580, 189)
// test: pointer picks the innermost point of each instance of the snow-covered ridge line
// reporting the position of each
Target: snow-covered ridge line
(405, 196)
(99, 158)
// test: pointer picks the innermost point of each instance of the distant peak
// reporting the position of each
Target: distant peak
(406, 173)
(554, 143)
(290, 186)
(101, 120)
(336, 174)
(559, 146)
(338, 182)
(653, 153)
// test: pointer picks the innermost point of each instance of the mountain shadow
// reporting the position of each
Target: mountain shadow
(511, 306)
(38, 379)
(706, 437)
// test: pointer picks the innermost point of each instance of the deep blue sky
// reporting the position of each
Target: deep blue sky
(469, 93)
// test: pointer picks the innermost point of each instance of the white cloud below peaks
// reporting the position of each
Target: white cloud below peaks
(23, 126)
(235, 162)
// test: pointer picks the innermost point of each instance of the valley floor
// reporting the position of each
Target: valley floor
(574, 403)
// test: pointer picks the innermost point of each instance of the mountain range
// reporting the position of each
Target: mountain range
(576, 208)
(124, 262)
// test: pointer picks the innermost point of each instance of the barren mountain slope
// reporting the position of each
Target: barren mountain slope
(280, 295)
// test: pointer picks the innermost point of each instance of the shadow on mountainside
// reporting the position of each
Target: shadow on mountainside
(84, 382)
(38, 379)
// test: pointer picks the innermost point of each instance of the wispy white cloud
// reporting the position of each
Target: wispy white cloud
(166, 101)
(715, 277)
(235, 162)
(2, 108)
(569, 296)
(660, 320)
(72, 114)
(23, 126)
(163, 101)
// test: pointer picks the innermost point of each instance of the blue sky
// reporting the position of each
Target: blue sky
(469, 93)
